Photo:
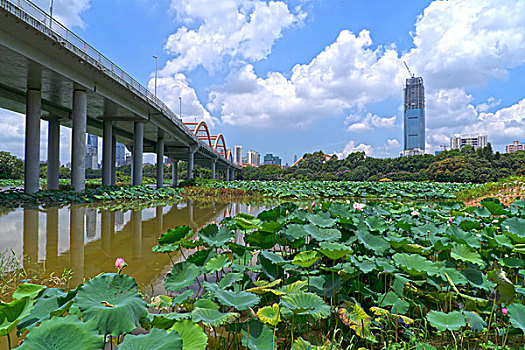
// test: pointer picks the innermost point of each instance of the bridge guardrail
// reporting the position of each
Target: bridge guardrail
(43, 22)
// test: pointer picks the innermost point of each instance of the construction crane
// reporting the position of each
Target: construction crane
(408, 69)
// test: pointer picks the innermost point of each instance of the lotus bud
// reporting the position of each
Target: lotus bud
(358, 206)
(119, 263)
(504, 310)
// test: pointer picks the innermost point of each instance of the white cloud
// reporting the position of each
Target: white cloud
(351, 147)
(345, 74)
(490, 104)
(392, 144)
(66, 12)
(170, 88)
(237, 30)
(357, 123)
(467, 42)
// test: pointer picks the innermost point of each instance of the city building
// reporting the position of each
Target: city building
(414, 117)
(459, 141)
(92, 152)
(237, 154)
(271, 159)
(253, 158)
(120, 154)
(515, 147)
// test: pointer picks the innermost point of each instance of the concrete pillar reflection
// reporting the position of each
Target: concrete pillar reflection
(107, 152)
(32, 141)
(78, 141)
(76, 243)
(53, 153)
(51, 238)
(136, 222)
(160, 159)
(107, 230)
(159, 218)
(30, 237)
(174, 172)
(191, 160)
(213, 166)
(138, 152)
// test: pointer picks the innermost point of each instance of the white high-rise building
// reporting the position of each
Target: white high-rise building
(237, 154)
(476, 141)
(254, 158)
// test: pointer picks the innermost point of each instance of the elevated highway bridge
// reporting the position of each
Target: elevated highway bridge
(47, 72)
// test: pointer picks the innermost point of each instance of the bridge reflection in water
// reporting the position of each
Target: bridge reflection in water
(87, 240)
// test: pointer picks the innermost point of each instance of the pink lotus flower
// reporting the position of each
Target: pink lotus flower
(313, 204)
(120, 263)
(359, 206)
(450, 220)
(415, 212)
(504, 310)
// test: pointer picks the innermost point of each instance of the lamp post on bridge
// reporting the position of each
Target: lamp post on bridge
(180, 108)
(155, 57)
(51, 15)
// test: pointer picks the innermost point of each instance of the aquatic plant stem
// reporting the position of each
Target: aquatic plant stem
(490, 319)
(8, 341)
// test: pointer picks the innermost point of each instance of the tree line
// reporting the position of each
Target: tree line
(465, 165)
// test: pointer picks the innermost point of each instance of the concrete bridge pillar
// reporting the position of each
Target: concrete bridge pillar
(138, 152)
(53, 153)
(78, 142)
(233, 175)
(32, 141)
(227, 174)
(191, 160)
(160, 159)
(213, 166)
(113, 160)
(174, 172)
(107, 152)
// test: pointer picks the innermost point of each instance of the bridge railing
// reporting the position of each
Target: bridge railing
(43, 22)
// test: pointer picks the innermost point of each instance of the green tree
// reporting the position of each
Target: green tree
(10, 166)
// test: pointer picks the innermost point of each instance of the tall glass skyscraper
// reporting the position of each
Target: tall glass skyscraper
(414, 120)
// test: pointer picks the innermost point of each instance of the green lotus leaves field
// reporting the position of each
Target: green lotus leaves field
(328, 275)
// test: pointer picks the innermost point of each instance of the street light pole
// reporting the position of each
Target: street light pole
(180, 107)
(155, 57)
(51, 15)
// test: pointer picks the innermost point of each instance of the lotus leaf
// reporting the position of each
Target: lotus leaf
(215, 237)
(452, 321)
(305, 303)
(295, 231)
(229, 279)
(63, 333)
(212, 317)
(239, 300)
(164, 321)
(416, 264)
(465, 253)
(180, 298)
(28, 290)
(175, 235)
(301, 344)
(113, 302)
(270, 315)
(11, 313)
(356, 318)
(193, 337)
(475, 321)
(321, 219)
(376, 224)
(505, 286)
(376, 243)
(217, 263)
(205, 304)
(182, 275)
(260, 336)
(247, 222)
(306, 258)
(516, 229)
(295, 287)
(266, 287)
(274, 258)
(157, 339)
(334, 250)
(323, 234)
(517, 316)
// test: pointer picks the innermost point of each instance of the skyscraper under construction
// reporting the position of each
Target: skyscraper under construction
(414, 117)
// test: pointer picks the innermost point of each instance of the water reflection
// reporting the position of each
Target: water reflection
(87, 240)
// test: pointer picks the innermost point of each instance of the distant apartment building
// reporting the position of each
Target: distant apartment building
(515, 147)
(237, 154)
(92, 152)
(120, 154)
(476, 141)
(254, 158)
(271, 159)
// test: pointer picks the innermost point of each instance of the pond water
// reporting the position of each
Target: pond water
(87, 240)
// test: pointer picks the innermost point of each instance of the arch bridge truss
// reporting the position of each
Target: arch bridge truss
(202, 132)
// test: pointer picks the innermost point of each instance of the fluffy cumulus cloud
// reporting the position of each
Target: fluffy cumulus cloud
(391, 146)
(356, 122)
(467, 42)
(345, 74)
(351, 147)
(227, 30)
(170, 88)
(67, 12)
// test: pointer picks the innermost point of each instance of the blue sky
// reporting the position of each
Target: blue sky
(289, 77)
